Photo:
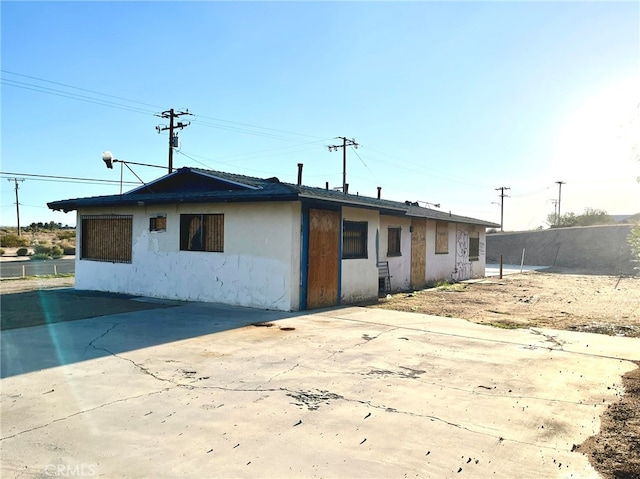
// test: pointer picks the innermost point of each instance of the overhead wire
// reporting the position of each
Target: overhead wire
(263, 127)
(241, 128)
(73, 96)
(421, 167)
(78, 88)
(375, 177)
(245, 156)
(55, 177)
(211, 159)
(212, 122)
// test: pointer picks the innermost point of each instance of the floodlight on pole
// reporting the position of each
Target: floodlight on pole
(109, 160)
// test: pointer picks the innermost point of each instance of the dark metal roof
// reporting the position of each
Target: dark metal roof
(195, 185)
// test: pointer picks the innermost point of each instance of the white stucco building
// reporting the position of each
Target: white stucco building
(204, 235)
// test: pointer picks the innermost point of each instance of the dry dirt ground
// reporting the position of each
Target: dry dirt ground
(588, 303)
(34, 284)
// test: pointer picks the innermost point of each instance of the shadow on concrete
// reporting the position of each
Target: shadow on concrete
(58, 343)
(36, 308)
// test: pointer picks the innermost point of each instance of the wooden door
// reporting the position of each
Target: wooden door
(324, 250)
(418, 252)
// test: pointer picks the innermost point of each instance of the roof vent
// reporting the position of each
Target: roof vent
(273, 179)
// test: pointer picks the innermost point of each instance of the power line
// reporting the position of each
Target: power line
(259, 127)
(53, 177)
(260, 153)
(355, 151)
(421, 167)
(88, 99)
(73, 96)
(190, 156)
(79, 88)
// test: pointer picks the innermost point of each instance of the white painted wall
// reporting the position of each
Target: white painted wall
(399, 266)
(260, 266)
(479, 267)
(447, 266)
(360, 276)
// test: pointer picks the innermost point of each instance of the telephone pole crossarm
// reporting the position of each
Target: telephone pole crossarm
(345, 142)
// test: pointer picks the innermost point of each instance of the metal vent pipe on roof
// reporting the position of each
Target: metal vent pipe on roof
(379, 189)
(326, 185)
(346, 188)
(300, 165)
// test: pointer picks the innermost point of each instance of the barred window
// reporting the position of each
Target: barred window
(474, 246)
(202, 233)
(158, 223)
(354, 239)
(393, 242)
(442, 237)
(106, 238)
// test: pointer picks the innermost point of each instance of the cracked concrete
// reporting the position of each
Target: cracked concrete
(351, 392)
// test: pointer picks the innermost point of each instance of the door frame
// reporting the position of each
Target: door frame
(304, 252)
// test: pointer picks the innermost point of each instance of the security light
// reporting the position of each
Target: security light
(107, 157)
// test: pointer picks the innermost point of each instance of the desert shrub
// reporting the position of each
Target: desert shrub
(1, 252)
(39, 257)
(68, 248)
(634, 240)
(56, 251)
(22, 252)
(66, 234)
(13, 241)
(44, 249)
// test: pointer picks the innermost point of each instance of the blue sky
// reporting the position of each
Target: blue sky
(448, 100)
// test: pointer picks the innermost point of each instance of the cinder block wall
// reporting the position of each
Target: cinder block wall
(587, 249)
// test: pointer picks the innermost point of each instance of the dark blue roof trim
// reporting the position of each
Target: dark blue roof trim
(194, 185)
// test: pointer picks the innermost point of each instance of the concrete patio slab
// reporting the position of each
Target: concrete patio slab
(198, 391)
(493, 269)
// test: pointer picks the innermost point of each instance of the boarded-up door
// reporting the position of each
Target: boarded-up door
(418, 252)
(324, 249)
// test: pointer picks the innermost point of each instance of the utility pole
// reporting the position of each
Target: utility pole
(555, 208)
(173, 137)
(502, 197)
(345, 142)
(15, 180)
(560, 183)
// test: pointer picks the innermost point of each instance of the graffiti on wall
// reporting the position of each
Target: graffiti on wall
(463, 265)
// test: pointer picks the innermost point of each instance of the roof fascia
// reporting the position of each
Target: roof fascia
(357, 204)
(194, 172)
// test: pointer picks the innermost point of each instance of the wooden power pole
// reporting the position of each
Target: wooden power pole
(16, 180)
(502, 197)
(345, 142)
(173, 137)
